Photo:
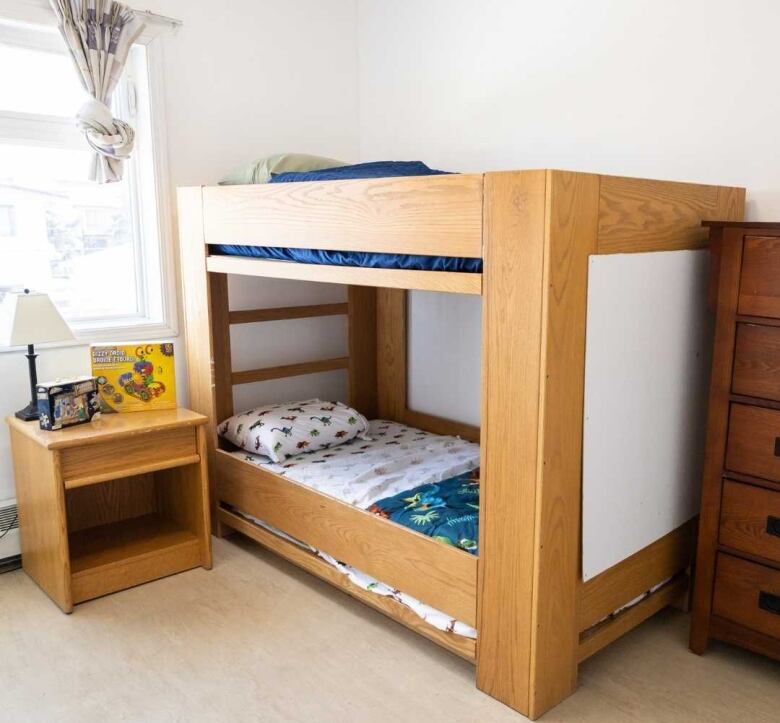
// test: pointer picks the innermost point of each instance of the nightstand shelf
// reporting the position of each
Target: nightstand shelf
(123, 541)
(112, 504)
(120, 554)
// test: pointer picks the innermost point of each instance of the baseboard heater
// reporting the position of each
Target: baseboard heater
(10, 548)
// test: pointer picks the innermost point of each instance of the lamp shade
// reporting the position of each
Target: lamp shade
(31, 318)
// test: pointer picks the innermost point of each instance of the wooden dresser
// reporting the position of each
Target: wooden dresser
(737, 575)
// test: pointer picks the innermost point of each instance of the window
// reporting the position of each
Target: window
(99, 251)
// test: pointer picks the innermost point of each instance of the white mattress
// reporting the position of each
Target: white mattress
(396, 459)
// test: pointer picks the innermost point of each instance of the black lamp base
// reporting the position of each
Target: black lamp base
(28, 414)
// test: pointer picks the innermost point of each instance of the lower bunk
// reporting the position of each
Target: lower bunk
(394, 516)
(348, 502)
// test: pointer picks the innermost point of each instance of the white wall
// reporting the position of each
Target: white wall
(672, 90)
(243, 79)
(676, 90)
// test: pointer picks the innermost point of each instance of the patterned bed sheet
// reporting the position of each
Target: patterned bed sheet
(396, 459)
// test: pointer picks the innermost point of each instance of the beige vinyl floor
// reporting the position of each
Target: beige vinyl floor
(255, 639)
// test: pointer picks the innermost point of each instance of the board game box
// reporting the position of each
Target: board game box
(135, 377)
(65, 402)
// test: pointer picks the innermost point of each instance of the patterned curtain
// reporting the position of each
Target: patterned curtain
(99, 34)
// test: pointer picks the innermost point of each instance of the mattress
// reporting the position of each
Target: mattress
(396, 459)
(421, 480)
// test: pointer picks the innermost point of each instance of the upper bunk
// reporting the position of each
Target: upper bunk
(441, 217)
(435, 216)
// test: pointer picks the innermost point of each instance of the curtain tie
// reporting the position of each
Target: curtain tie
(106, 135)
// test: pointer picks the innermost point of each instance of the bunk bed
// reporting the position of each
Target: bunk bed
(533, 232)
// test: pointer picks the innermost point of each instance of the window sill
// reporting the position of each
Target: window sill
(117, 334)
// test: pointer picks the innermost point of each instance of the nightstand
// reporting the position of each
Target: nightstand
(111, 504)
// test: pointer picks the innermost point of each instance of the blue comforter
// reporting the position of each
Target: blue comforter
(447, 511)
(374, 169)
(364, 259)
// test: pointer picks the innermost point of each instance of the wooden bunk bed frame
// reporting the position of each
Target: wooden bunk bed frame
(536, 618)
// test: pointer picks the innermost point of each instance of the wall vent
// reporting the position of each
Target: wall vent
(9, 531)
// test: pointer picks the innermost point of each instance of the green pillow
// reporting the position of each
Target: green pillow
(261, 170)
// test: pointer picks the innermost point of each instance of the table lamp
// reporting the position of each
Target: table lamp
(31, 318)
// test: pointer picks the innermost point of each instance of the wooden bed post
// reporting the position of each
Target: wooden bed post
(513, 274)
(206, 327)
(362, 371)
(540, 228)
(572, 234)
(391, 353)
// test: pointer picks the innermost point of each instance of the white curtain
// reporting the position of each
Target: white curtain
(99, 34)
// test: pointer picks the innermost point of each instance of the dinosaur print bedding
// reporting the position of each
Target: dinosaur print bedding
(394, 459)
(447, 511)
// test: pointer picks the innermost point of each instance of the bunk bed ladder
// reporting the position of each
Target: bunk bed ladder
(360, 361)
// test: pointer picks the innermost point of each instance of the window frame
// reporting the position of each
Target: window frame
(22, 22)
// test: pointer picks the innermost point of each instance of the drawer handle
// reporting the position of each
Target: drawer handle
(769, 602)
(777, 446)
(773, 526)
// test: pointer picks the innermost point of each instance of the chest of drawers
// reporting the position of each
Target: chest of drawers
(737, 575)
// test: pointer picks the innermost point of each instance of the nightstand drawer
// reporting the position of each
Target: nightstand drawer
(144, 452)
(748, 594)
(754, 441)
(757, 361)
(759, 289)
(750, 520)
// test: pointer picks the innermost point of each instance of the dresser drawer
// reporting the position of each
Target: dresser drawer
(754, 441)
(757, 361)
(759, 289)
(147, 450)
(750, 520)
(748, 594)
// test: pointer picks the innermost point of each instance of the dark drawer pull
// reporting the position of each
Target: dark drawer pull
(769, 602)
(777, 446)
(773, 526)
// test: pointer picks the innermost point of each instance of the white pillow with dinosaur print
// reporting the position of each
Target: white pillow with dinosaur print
(281, 431)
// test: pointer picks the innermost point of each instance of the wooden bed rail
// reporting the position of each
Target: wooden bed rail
(458, 644)
(252, 316)
(431, 215)
(289, 370)
(453, 282)
(442, 576)
(282, 313)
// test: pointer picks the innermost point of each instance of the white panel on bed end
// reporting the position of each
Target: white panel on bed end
(444, 349)
(646, 376)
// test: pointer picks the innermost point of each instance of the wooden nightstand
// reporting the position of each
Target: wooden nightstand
(111, 504)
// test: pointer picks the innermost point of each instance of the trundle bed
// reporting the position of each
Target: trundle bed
(533, 232)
